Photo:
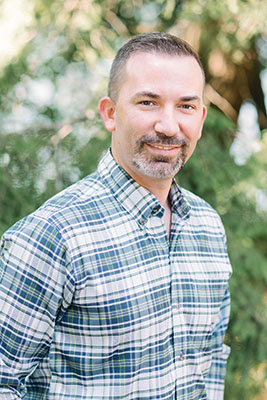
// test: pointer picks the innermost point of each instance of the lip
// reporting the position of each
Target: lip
(163, 149)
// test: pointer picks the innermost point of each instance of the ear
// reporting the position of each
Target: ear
(204, 114)
(106, 109)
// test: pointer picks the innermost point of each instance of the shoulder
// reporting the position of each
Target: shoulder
(201, 211)
(195, 201)
(62, 209)
(76, 197)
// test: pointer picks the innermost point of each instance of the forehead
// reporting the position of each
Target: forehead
(162, 72)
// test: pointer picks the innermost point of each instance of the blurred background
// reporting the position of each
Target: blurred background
(54, 63)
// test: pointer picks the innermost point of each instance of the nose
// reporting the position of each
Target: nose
(167, 123)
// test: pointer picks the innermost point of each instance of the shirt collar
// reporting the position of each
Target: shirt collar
(137, 200)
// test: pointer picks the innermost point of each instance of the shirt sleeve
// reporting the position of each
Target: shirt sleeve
(220, 352)
(35, 286)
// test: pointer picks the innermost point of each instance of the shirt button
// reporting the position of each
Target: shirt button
(142, 221)
(155, 209)
(178, 307)
(182, 356)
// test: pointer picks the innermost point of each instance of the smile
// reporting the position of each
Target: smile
(163, 147)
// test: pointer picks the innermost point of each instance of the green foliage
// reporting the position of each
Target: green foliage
(51, 135)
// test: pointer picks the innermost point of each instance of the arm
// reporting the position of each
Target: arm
(34, 286)
(220, 352)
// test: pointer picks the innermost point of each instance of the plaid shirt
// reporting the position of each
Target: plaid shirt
(97, 303)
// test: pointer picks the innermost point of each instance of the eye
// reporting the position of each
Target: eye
(147, 103)
(188, 107)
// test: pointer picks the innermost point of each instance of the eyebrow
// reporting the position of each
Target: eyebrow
(153, 95)
(146, 94)
(190, 98)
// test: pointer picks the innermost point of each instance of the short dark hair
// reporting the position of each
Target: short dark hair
(162, 43)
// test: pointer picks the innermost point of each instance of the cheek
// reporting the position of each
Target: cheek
(192, 131)
(131, 126)
(193, 140)
(190, 151)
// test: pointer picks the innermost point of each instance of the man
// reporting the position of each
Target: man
(117, 288)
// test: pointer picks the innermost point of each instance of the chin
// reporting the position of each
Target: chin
(159, 169)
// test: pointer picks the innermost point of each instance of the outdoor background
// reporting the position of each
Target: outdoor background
(54, 62)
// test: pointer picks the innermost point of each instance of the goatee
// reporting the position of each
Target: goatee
(159, 166)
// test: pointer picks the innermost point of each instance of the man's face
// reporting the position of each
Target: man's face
(158, 116)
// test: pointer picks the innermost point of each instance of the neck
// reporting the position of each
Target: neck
(160, 191)
(168, 216)
(160, 188)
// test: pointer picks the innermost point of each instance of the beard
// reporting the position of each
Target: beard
(159, 166)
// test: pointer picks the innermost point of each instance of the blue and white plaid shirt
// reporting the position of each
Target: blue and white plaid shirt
(97, 303)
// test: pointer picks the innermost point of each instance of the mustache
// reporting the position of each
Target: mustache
(161, 139)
